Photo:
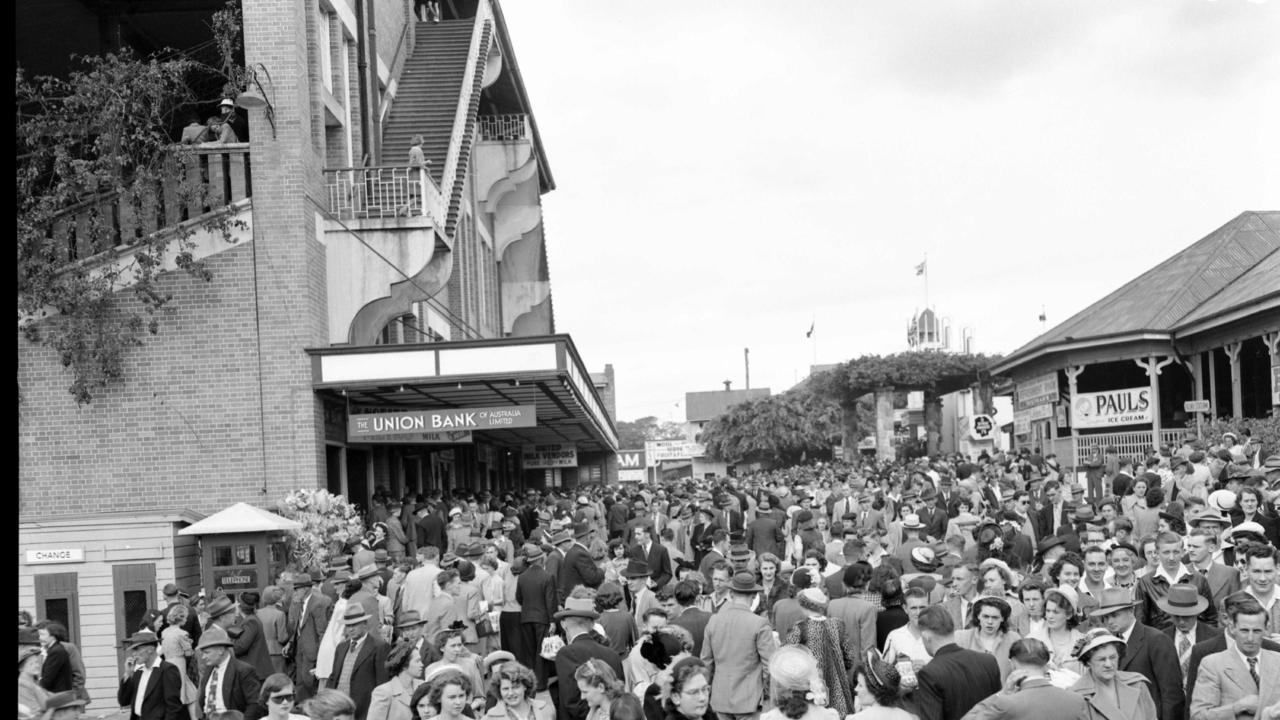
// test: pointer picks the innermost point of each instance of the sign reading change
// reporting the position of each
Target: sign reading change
(368, 425)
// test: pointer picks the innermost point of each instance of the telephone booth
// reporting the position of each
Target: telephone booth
(241, 548)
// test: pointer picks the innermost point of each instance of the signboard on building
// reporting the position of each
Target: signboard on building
(451, 437)
(631, 466)
(1197, 406)
(361, 426)
(1039, 390)
(236, 580)
(658, 450)
(1021, 424)
(549, 455)
(1111, 408)
(982, 427)
(1022, 418)
(51, 556)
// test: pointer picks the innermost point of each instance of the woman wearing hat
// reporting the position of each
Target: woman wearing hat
(251, 644)
(877, 684)
(454, 653)
(1112, 693)
(390, 700)
(31, 697)
(989, 632)
(1059, 632)
(795, 687)
(828, 640)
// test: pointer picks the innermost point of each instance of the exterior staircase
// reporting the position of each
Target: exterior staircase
(427, 100)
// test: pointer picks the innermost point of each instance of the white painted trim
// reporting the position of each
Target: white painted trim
(1004, 366)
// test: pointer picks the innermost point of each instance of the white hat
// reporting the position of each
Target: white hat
(1223, 500)
(226, 102)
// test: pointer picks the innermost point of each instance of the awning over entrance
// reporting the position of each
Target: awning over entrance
(543, 371)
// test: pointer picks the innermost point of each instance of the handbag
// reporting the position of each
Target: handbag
(485, 627)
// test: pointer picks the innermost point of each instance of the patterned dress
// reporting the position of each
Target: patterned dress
(830, 644)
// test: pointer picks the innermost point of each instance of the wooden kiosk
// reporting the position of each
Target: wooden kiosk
(241, 548)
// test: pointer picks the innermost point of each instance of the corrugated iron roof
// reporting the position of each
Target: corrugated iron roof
(1227, 268)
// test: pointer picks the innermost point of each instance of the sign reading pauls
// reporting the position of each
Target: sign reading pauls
(369, 426)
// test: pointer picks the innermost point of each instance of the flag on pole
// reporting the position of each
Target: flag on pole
(810, 333)
(1042, 316)
(920, 268)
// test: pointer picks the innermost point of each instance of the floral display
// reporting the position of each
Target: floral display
(329, 523)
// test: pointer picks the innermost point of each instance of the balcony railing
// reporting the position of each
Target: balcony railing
(504, 127)
(383, 192)
(1136, 443)
(217, 175)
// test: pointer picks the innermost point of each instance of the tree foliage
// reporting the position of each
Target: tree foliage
(778, 430)
(932, 371)
(1265, 430)
(98, 141)
(636, 433)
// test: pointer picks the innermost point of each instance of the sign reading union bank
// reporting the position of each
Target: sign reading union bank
(426, 421)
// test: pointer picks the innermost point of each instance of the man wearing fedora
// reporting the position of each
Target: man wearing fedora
(309, 614)
(367, 596)
(173, 595)
(1184, 604)
(642, 597)
(360, 662)
(653, 554)
(151, 688)
(1146, 650)
(581, 645)
(736, 646)
(228, 683)
(537, 595)
(578, 568)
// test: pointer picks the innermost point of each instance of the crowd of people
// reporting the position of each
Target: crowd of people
(1002, 586)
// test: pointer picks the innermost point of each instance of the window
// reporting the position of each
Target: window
(326, 52)
(222, 556)
(245, 555)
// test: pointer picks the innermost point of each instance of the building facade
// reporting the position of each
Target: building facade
(356, 286)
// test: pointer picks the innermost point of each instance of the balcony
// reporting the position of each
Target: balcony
(383, 192)
(219, 173)
(504, 127)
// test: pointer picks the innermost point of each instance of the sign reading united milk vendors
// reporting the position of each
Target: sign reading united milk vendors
(368, 426)
(1112, 408)
(550, 455)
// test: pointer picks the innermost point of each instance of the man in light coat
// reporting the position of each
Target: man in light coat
(736, 647)
(1240, 683)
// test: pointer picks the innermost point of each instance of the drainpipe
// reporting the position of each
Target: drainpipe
(375, 116)
(362, 70)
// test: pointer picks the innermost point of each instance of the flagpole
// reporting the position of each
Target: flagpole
(926, 280)
(813, 342)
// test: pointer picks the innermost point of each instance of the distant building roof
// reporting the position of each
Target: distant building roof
(702, 406)
(1231, 269)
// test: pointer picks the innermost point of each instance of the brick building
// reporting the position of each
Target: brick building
(357, 286)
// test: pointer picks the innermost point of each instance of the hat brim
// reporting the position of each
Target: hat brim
(415, 623)
(355, 620)
(1200, 606)
(588, 614)
(753, 588)
(1108, 609)
(636, 575)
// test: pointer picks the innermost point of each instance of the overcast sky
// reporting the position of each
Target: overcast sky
(730, 172)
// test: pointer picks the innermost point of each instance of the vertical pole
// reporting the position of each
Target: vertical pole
(1197, 390)
(1153, 373)
(746, 360)
(1213, 382)
(1073, 372)
(1233, 354)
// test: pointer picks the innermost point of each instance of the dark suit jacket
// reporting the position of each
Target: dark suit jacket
(162, 697)
(953, 682)
(431, 531)
(1043, 521)
(1151, 653)
(659, 561)
(578, 568)
(583, 648)
(833, 584)
(369, 672)
(307, 632)
(55, 673)
(240, 689)
(251, 646)
(764, 535)
(536, 593)
(695, 621)
(1204, 650)
(935, 522)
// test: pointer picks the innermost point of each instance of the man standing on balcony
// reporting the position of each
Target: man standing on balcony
(234, 128)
